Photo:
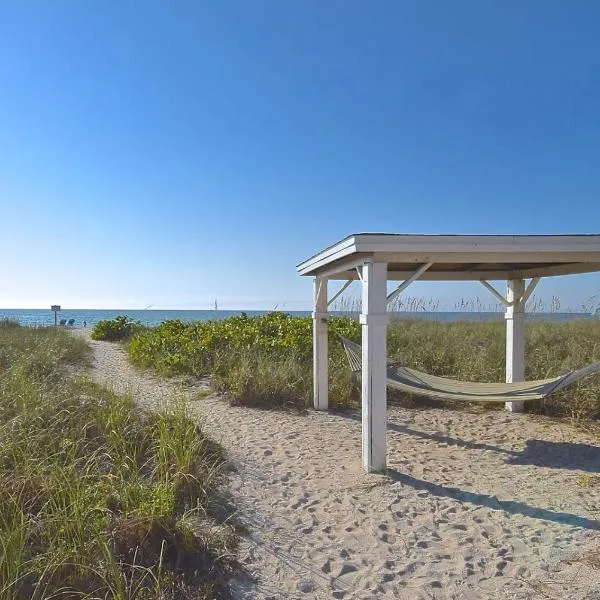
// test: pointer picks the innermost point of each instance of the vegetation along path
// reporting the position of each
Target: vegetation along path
(476, 504)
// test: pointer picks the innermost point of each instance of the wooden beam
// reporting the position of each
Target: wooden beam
(320, 365)
(561, 269)
(339, 270)
(374, 320)
(484, 256)
(515, 337)
(477, 275)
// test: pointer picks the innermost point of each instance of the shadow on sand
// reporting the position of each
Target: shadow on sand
(510, 506)
(539, 453)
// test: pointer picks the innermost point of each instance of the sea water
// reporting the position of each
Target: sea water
(41, 317)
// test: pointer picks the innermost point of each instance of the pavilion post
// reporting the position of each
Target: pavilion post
(515, 337)
(374, 321)
(320, 366)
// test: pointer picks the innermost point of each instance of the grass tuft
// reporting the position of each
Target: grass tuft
(99, 498)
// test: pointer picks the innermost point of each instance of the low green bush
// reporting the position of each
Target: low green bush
(267, 360)
(264, 360)
(112, 330)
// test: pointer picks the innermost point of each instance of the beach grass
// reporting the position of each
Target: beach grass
(267, 360)
(98, 497)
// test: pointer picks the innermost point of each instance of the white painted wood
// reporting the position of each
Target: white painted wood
(408, 281)
(339, 292)
(335, 270)
(330, 265)
(515, 337)
(468, 274)
(494, 292)
(320, 365)
(374, 321)
(507, 249)
(571, 268)
(454, 257)
(530, 289)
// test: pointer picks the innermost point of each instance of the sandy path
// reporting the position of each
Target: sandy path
(477, 505)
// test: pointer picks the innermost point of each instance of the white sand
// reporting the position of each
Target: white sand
(477, 504)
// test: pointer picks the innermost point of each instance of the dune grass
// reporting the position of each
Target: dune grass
(267, 360)
(98, 498)
(475, 351)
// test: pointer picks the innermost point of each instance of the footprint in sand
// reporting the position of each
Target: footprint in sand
(387, 538)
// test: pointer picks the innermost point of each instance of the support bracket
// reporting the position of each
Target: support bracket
(529, 290)
(526, 294)
(495, 292)
(407, 282)
(340, 292)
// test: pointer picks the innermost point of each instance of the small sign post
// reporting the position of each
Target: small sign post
(55, 308)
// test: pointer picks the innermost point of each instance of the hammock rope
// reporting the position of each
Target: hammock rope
(442, 388)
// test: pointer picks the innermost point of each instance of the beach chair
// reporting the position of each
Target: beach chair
(71, 322)
(441, 388)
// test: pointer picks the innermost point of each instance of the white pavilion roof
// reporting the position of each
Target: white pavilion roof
(459, 257)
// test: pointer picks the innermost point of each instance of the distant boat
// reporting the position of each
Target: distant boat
(216, 306)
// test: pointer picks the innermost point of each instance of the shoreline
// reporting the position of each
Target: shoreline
(153, 317)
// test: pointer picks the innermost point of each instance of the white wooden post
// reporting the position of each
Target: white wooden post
(374, 320)
(320, 373)
(515, 337)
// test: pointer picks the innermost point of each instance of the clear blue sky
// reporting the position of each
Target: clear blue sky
(171, 153)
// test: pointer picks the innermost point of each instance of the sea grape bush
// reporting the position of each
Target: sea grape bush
(177, 347)
(257, 360)
(268, 359)
(112, 330)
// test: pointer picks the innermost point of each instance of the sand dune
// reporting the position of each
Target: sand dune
(476, 504)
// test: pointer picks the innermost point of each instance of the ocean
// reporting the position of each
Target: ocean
(41, 317)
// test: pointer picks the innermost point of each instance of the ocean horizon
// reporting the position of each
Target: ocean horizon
(153, 317)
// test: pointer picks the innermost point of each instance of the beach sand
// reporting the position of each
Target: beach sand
(476, 504)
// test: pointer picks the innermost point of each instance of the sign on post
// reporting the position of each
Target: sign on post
(55, 308)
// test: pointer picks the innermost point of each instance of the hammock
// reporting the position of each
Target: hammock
(442, 388)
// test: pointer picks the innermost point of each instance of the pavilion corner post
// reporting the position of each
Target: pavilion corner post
(320, 366)
(374, 321)
(515, 337)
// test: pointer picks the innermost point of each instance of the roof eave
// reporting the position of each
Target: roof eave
(578, 253)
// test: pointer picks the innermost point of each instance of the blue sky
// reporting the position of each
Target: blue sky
(171, 153)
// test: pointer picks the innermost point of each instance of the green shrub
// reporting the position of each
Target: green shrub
(264, 360)
(267, 360)
(112, 330)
